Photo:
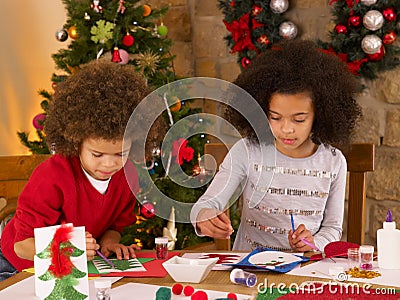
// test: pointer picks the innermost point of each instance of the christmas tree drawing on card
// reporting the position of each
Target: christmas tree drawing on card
(60, 263)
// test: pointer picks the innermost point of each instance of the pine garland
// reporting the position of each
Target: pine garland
(364, 34)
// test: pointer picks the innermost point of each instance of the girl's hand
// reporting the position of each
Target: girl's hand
(91, 246)
(214, 223)
(121, 251)
(295, 239)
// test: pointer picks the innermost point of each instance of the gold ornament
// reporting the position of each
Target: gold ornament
(148, 61)
(72, 32)
(177, 106)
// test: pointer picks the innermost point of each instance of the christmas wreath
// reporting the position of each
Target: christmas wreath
(363, 35)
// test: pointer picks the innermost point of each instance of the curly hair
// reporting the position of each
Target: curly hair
(96, 102)
(299, 66)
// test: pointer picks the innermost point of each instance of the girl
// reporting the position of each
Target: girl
(308, 97)
(84, 183)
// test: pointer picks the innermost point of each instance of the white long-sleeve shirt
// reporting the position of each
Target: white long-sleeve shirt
(275, 186)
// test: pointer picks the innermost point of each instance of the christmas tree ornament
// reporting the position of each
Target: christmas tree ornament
(288, 30)
(263, 40)
(148, 210)
(256, 10)
(373, 20)
(177, 104)
(121, 7)
(146, 10)
(102, 31)
(86, 16)
(61, 35)
(279, 6)
(245, 62)
(389, 37)
(389, 14)
(124, 55)
(115, 55)
(72, 32)
(354, 21)
(339, 28)
(232, 3)
(148, 61)
(38, 121)
(371, 44)
(368, 2)
(96, 6)
(128, 40)
(162, 30)
(377, 56)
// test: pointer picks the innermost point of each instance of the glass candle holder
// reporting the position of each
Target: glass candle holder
(366, 257)
(161, 247)
(353, 258)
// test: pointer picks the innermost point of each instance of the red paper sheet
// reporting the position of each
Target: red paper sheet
(154, 268)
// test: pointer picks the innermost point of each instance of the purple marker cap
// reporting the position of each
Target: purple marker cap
(389, 217)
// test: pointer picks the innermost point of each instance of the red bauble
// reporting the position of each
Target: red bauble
(389, 38)
(128, 40)
(38, 121)
(341, 29)
(148, 210)
(256, 10)
(389, 14)
(354, 21)
(115, 56)
(232, 3)
(245, 62)
(378, 55)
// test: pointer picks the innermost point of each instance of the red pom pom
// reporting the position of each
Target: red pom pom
(177, 289)
(231, 296)
(188, 290)
(199, 295)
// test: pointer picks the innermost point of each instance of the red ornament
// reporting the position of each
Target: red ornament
(148, 210)
(354, 21)
(389, 14)
(38, 121)
(232, 3)
(188, 290)
(263, 40)
(199, 295)
(128, 40)
(115, 57)
(378, 55)
(177, 289)
(256, 10)
(389, 38)
(245, 62)
(341, 29)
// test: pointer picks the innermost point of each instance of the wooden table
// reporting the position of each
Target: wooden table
(216, 280)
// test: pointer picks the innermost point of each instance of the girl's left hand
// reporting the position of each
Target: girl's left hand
(121, 251)
(295, 239)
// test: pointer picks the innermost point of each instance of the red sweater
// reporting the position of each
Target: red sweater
(58, 191)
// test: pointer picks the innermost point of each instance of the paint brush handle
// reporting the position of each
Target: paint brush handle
(105, 258)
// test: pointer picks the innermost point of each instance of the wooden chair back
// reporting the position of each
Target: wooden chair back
(360, 160)
(14, 174)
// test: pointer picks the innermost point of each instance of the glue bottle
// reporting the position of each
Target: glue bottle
(388, 242)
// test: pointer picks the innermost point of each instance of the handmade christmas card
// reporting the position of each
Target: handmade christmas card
(60, 263)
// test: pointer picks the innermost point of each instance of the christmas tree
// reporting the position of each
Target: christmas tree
(127, 32)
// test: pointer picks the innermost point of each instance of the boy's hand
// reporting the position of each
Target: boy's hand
(121, 251)
(214, 223)
(91, 246)
(295, 239)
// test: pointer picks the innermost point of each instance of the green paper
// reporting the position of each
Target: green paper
(93, 270)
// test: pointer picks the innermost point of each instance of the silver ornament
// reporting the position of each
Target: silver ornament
(373, 20)
(371, 44)
(61, 35)
(288, 30)
(279, 6)
(368, 2)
